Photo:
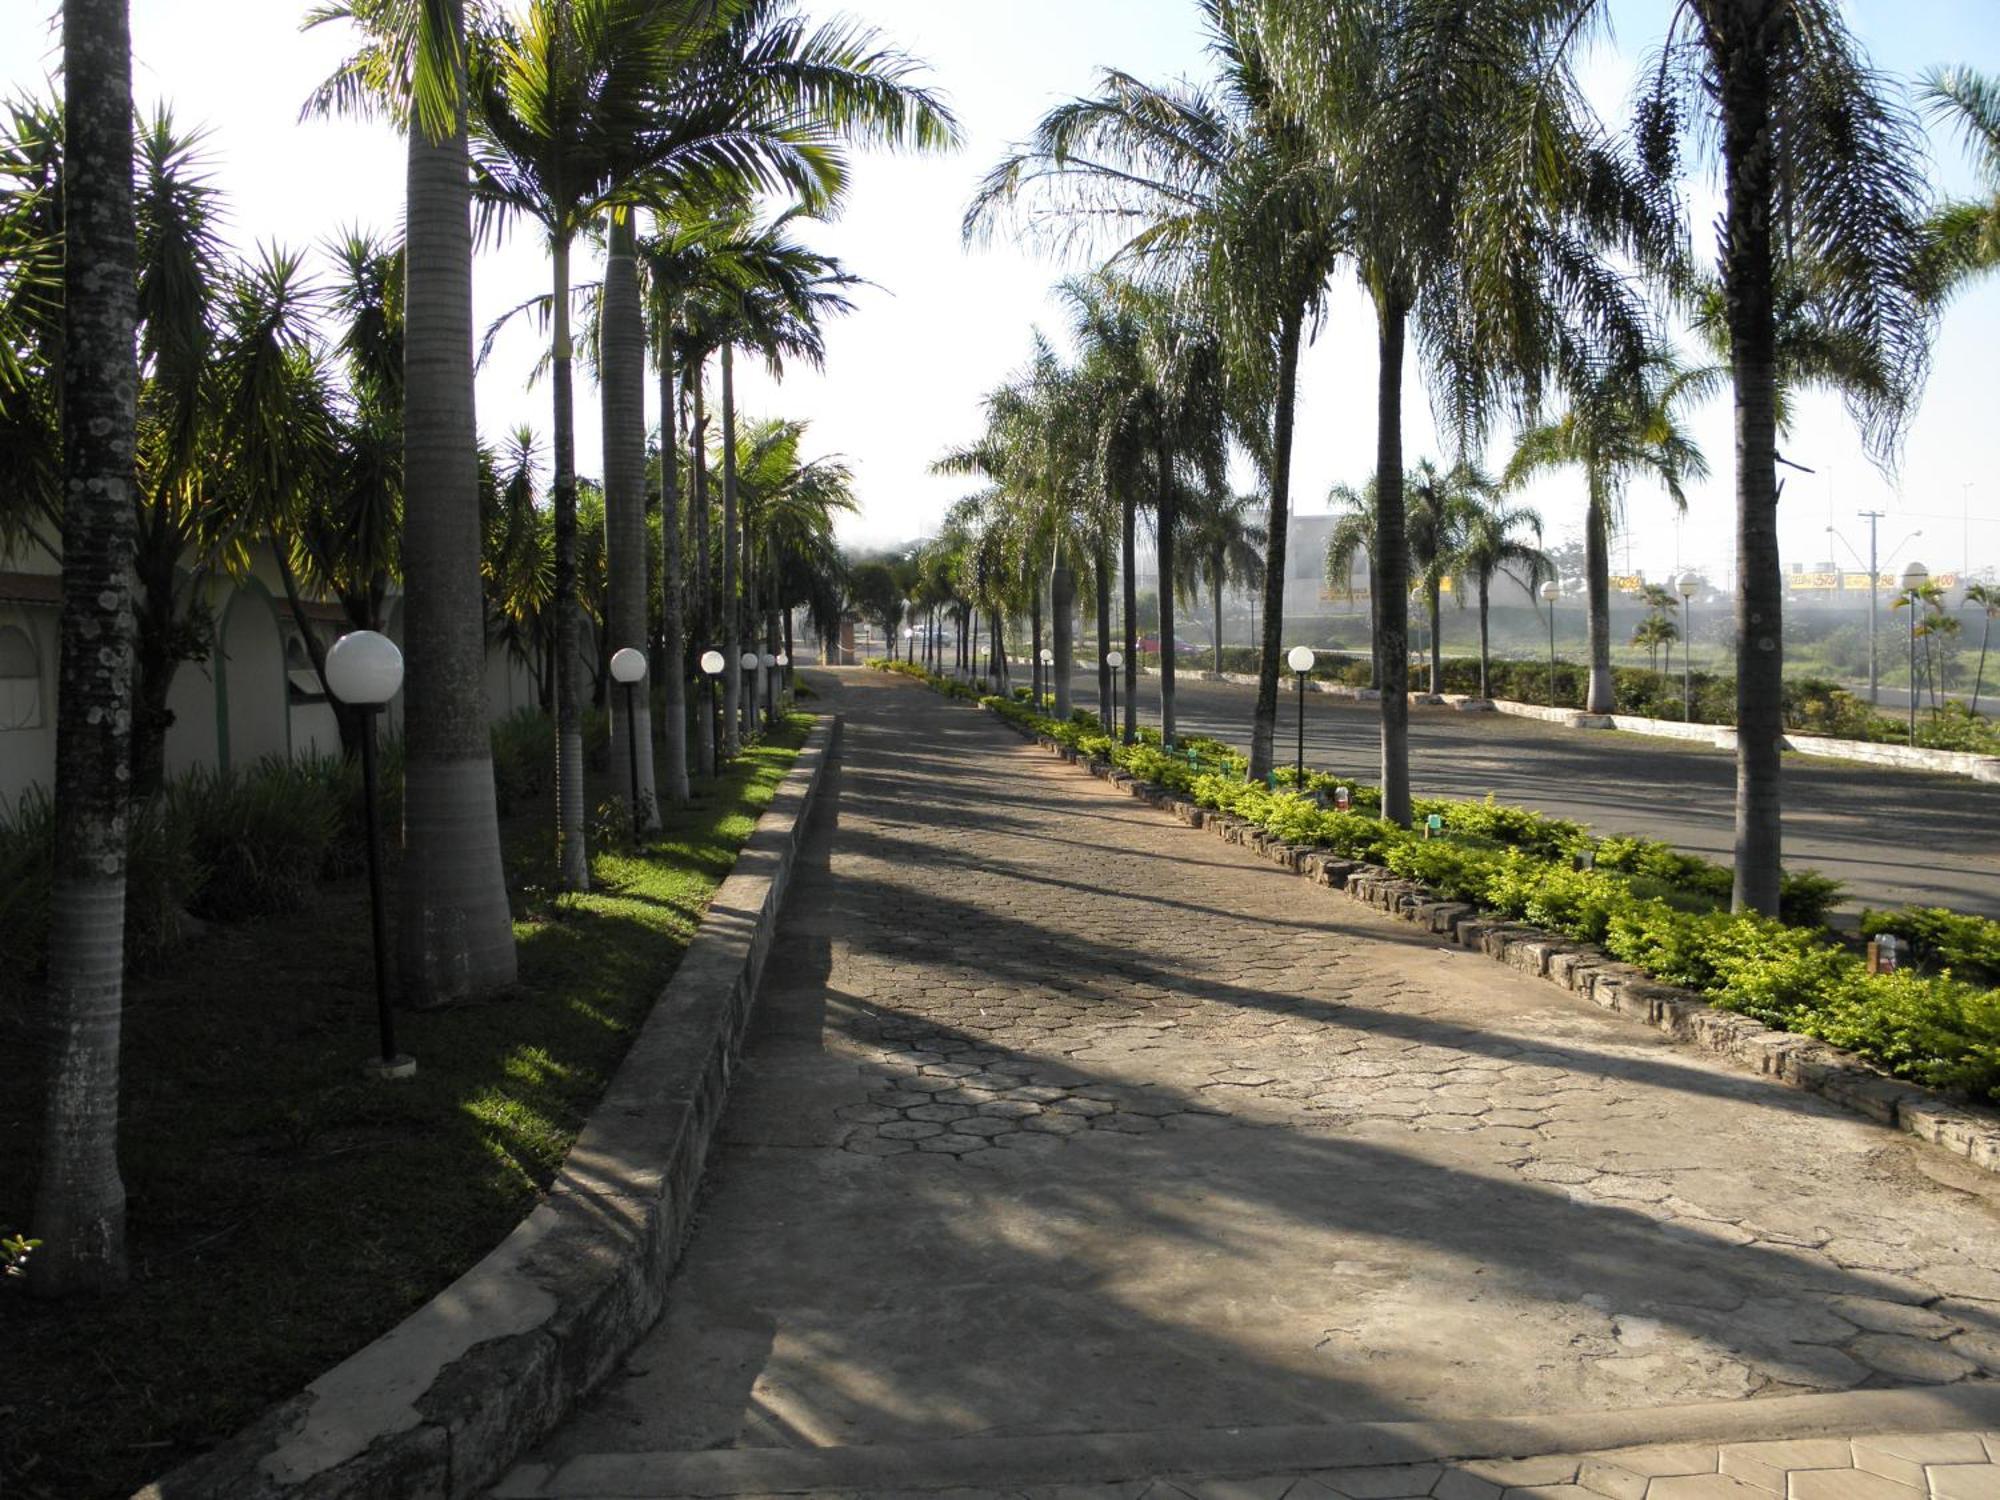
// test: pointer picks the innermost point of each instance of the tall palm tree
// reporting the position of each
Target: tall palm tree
(456, 936)
(1822, 182)
(1353, 537)
(1441, 506)
(1986, 598)
(1223, 545)
(590, 105)
(1215, 190)
(1492, 545)
(1617, 426)
(1967, 231)
(621, 382)
(1477, 195)
(80, 1201)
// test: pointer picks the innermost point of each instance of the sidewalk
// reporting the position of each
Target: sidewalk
(1071, 1146)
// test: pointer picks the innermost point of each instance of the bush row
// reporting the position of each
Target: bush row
(227, 846)
(1644, 902)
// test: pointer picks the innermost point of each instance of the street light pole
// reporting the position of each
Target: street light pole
(711, 668)
(363, 670)
(1872, 517)
(1113, 660)
(628, 666)
(1914, 578)
(1300, 659)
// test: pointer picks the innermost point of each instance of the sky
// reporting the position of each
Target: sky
(943, 323)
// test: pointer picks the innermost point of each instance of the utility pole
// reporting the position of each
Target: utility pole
(1872, 517)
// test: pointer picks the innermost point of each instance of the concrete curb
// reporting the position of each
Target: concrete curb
(988, 1463)
(441, 1405)
(1843, 1078)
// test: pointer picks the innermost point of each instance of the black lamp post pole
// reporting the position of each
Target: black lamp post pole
(1302, 732)
(377, 891)
(1552, 653)
(1687, 659)
(632, 757)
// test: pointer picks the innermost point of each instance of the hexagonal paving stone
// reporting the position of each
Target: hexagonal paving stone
(874, 1145)
(1077, 1105)
(866, 1114)
(909, 1130)
(956, 1143)
(942, 1114)
(1910, 1359)
(1009, 1109)
(986, 1126)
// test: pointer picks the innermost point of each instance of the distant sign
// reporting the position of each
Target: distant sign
(1851, 582)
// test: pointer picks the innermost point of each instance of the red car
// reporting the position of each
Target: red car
(1181, 647)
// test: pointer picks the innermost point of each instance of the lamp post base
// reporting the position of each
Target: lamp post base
(389, 1069)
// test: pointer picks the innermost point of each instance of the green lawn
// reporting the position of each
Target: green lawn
(283, 1210)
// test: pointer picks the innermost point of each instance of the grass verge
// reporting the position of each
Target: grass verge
(283, 1211)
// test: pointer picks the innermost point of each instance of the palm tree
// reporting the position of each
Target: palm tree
(1617, 426)
(1353, 536)
(1823, 185)
(456, 936)
(621, 383)
(1966, 233)
(1476, 195)
(1441, 501)
(1222, 547)
(1215, 191)
(593, 105)
(80, 1201)
(1653, 632)
(1490, 545)
(1987, 597)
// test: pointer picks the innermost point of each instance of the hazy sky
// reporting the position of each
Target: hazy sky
(906, 372)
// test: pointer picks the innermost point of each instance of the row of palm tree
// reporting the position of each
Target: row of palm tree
(575, 117)
(1442, 155)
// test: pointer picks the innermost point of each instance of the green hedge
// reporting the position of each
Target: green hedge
(1645, 902)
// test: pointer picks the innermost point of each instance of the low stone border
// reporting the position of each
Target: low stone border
(444, 1403)
(1584, 969)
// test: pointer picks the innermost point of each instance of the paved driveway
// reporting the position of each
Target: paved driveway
(1060, 1121)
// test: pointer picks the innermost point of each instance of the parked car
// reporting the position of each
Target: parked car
(1181, 647)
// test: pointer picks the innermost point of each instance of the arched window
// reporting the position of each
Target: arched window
(20, 680)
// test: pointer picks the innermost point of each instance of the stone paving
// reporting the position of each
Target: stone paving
(1062, 1119)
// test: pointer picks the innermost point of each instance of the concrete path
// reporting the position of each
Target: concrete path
(1071, 1145)
(1892, 836)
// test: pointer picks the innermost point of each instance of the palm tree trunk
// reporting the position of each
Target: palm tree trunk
(1062, 609)
(1979, 677)
(732, 640)
(1035, 639)
(1391, 558)
(155, 661)
(1264, 719)
(1215, 587)
(455, 932)
(1747, 273)
(1103, 561)
(572, 859)
(673, 594)
(1165, 510)
(1484, 691)
(80, 1201)
(1130, 507)
(1602, 698)
(622, 385)
(704, 587)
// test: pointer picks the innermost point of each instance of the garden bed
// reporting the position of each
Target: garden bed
(283, 1211)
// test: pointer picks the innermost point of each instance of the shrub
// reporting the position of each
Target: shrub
(1968, 946)
(262, 837)
(524, 750)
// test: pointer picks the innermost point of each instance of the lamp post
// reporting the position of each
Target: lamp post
(1689, 585)
(1113, 660)
(785, 674)
(1300, 660)
(364, 670)
(711, 668)
(1044, 677)
(767, 660)
(1915, 576)
(1550, 593)
(628, 666)
(748, 662)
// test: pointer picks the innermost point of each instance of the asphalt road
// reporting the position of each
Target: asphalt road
(1893, 837)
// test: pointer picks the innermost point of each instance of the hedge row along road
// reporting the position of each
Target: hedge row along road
(1892, 837)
